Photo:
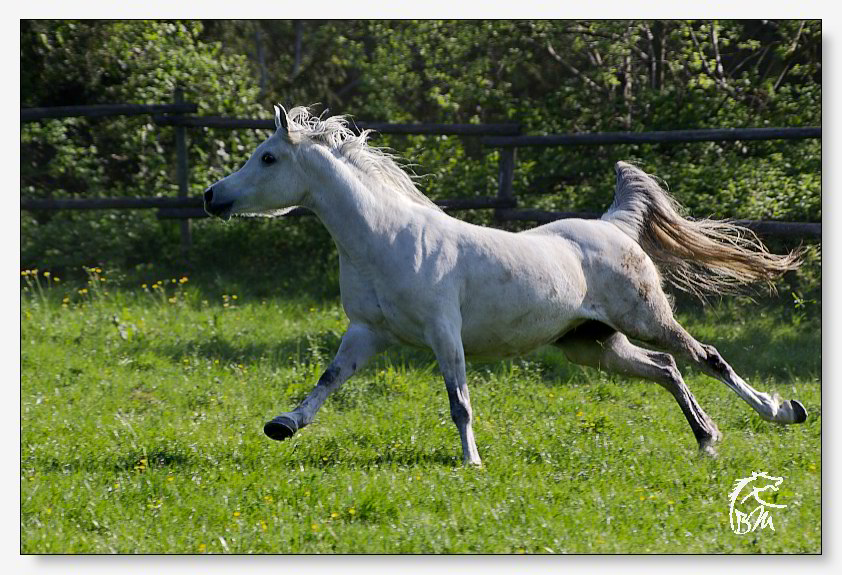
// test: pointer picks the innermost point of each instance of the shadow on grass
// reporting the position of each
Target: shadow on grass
(404, 458)
(758, 348)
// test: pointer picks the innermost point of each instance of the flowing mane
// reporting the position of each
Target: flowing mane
(377, 164)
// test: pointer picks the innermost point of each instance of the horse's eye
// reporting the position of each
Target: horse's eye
(268, 158)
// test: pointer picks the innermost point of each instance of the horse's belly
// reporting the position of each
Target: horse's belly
(509, 335)
(512, 309)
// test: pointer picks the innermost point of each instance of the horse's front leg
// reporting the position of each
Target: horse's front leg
(446, 341)
(358, 345)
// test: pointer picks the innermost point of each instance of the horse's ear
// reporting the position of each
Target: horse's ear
(281, 119)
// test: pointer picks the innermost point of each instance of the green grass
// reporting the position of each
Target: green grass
(142, 433)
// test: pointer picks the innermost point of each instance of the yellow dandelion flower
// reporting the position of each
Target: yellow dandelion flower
(234, 296)
(334, 515)
(263, 525)
(183, 280)
(670, 502)
(57, 280)
(236, 514)
(642, 497)
(268, 499)
(306, 493)
(580, 413)
(46, 274)
(314, 527)
(170, 478)
(202, 547)
(352, 511)
(49, 510)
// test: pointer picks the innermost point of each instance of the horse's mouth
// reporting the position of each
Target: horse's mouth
(222, 211)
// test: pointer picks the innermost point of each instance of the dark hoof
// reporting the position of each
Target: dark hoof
(798, 411)
(280, 428)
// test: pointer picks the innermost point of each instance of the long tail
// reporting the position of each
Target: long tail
(703, 257)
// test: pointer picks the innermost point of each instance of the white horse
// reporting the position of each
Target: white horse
(412, 275)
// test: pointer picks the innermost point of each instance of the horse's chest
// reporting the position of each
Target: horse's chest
(387, 305)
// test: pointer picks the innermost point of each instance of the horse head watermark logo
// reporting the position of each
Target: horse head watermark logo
(743, 522)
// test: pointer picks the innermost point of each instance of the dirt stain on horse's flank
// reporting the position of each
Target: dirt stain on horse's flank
(632, 264)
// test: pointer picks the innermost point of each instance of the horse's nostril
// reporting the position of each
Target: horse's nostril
(208, 195)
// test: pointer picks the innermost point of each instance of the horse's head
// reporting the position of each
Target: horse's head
(270, 182)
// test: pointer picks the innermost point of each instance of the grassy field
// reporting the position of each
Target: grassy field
(142, 412)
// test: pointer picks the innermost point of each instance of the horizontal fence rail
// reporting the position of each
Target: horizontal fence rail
(455, 205)
(35, 114)
(761, 227)
(179, 208)
(675, 136)
(506, 137)
(50, 204)
(192, 207)
(410, 129)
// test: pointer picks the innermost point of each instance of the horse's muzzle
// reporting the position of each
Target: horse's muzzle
(217, 209)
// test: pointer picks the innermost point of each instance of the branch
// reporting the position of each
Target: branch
(714, 39)
(653, 62)
(607, 36)
(570, 67)
(790, 52)
(708, 71)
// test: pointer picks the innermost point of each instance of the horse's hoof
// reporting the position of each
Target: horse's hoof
(280, 428)
(798, 411)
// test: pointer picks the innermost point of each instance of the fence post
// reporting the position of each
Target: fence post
(182, 175)
(505, 179)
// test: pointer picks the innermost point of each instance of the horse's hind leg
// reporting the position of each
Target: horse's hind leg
(647, 316)
(596, 345)
(709, 360)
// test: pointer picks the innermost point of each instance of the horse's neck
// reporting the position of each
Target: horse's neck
(357, 216)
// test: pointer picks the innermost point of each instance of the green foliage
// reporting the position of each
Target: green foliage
(142, 408)
(550, 76)
(137, 62)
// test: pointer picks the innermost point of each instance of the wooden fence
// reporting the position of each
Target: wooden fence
(506, 137)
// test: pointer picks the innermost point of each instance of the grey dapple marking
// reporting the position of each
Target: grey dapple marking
(412, 275)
